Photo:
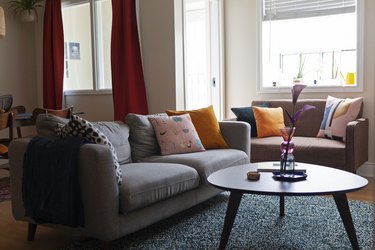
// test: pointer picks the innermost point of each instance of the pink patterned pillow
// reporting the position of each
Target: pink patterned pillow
(338, 113)
(176, 134)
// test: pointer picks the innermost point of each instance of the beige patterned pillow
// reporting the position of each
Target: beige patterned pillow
(338, 113)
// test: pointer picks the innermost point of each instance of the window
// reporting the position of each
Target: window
(87, 64)
(202, 54)
(314, 41)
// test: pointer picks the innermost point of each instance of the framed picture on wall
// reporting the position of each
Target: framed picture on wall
(74, 51)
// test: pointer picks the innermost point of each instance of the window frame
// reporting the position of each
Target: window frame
(312, 89)
(95, 62)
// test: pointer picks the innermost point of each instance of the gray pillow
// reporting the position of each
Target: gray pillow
(118, 134)
(46, 123)
(142, 136)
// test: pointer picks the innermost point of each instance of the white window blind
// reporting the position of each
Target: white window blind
(290, 9)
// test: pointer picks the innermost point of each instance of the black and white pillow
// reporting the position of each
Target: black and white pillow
(78, 126)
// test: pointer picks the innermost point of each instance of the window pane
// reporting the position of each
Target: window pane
(197, 87)
(103, 10)
(78, 57)
(324, 47)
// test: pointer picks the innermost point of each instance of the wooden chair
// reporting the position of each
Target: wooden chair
(64, 113)
(6, 102)
(20, 109)
(6, 122)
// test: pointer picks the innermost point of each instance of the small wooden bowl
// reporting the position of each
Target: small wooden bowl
(253, 175)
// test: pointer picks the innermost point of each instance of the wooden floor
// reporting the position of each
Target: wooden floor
(13, 233)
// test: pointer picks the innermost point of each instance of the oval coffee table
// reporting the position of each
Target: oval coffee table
(320, 181)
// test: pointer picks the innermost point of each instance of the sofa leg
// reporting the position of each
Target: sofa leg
(31, 231)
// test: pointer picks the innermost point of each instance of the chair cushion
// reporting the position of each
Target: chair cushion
(312, 150)
(147, 183)
(205, 162)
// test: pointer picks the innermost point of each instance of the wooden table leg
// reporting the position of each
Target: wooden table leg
(233, 204)
(282, 205)
(31, 231)
(343, 207)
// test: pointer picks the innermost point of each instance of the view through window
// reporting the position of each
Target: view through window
(314, 42)
(87, 63)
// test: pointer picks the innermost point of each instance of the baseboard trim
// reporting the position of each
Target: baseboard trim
(367, 169)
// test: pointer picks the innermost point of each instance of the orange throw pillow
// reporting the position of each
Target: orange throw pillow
(207, 126)
(268, 121)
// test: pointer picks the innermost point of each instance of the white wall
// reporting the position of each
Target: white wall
(240, 53)
(156, 22)
(17, 61)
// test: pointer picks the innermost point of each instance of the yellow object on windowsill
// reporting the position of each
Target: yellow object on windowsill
(350, 79)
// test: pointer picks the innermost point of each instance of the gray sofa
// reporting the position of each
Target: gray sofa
(154, 187)
(348, 155)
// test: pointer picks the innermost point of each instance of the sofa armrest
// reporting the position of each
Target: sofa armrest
(17, 149)
(356, 143)
(99, 189)
(236, 134)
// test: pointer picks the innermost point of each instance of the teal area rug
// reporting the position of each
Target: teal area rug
(309, 223)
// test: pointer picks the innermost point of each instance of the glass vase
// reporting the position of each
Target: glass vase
(287, 161)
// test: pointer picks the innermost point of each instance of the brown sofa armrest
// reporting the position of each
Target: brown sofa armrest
(356, 143)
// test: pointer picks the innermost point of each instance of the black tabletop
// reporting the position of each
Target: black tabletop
(320, 180)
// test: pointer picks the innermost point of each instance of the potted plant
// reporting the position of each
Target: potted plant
(299, 78)
(26, 9)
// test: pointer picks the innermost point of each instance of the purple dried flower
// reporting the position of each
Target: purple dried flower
(296, 91)
(297, 115)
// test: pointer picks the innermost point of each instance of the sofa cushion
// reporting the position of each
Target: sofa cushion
(142, 136)
(46, 123)
(176, 134)
(207, 126)
(246, 114)
(77, 126)
(118, 133)
(205, 162)
(268, 121)
(312, 150)
(338, 113)
(147, 183)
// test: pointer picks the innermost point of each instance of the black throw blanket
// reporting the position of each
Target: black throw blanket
(50, 184)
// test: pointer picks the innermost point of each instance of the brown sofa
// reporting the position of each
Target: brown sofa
(349, 155)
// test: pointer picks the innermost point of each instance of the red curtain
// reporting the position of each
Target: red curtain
(53, 55)
(128, 87)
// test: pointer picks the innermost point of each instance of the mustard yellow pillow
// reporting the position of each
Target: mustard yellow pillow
(268, 121)
(206, 125)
